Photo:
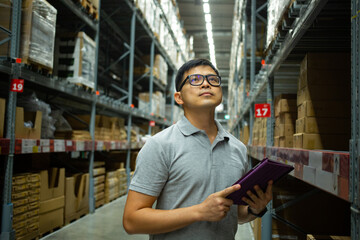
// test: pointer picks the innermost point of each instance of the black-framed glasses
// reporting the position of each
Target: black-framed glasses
(198, 79)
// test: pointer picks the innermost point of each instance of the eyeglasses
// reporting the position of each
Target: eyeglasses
(198, 79)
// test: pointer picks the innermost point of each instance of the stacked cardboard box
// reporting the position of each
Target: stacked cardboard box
(24, 131)
(324, 102)
(52, 199)
(328, 237)
(106, 128)
(245, 134)
(157, 103)
(99, 184)
(26, 200)
(111, 186)
(177, 112)
(38, 24)
(160, 68)
(75, 59)
(122, 180)
(76, 197)
(259, 132)
(285, 117)
(2, 117)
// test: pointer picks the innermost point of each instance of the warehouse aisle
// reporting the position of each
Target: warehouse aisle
(106, 224)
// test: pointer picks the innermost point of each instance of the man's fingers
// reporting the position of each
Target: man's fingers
(227, 191)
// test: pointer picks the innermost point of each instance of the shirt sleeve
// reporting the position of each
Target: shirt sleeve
(151, 172)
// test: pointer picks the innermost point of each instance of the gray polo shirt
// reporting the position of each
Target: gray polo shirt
(181, 168)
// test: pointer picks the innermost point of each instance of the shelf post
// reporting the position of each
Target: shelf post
(172, 96)
(92, 121)
(354, 178)
(245, 35)
(151, 83)
(7, 207)
(131, 79)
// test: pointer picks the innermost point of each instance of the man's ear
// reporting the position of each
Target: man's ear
(178, 98)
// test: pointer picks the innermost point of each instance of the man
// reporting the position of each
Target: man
(188, 168)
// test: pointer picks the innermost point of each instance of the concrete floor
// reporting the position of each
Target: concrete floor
(106, 224)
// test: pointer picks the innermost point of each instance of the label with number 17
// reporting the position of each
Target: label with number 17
(262, 110)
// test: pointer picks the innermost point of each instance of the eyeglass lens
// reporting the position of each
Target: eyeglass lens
(199, 79)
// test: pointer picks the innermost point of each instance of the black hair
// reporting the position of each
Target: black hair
(189, 65)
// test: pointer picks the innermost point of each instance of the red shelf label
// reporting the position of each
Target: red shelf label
(262, 110)
(17, 85)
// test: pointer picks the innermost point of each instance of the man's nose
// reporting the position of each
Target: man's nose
(205, 83)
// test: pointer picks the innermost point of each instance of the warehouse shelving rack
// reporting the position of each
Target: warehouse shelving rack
(285, 48)
(79, 98)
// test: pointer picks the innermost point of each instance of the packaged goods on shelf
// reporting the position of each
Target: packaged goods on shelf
(32, 104)
(285, 117)
(2, 116)
(178, 113)
(76, 197)
(28, 124)
(276, 12)
(26, 205)
(160, 68)
(157, 103)
(122, 176)
(259, 132)
(112, 187)
(245, 134)
(38, 32)
(52, 199)
(75, 59)
(327, 237)
(99, 184)
(324, 102)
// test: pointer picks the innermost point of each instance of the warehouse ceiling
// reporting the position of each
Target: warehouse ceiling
(222, 12)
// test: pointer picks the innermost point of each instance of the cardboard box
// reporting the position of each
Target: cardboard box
(327, 237)
(23, 132)
(317, 141)
(285, 106)
(2, 116)
(337, 109)
(323, 93)
(5, 20)
(285, 130)
(52, 183)
(286, 118)
(326, 61)
(276, 141)
(323, 125)
(286, 141)
(312, 77)
(76, 196)
(51, 220)
(52, 204)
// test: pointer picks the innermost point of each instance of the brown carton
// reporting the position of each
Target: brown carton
(339, 109)
(5, 20)
(323, 93)
(23, 132)
(285, 106)
(328, 237)
(317, 141)
(51, 220)
(2, 116)
(286, 141)
(52, 183)
(77, 196)
(323, 125)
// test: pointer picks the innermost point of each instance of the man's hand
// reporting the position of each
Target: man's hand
(257, 202)
(216, 206)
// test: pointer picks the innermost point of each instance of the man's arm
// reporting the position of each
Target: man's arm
(140, 217)
(257, 203)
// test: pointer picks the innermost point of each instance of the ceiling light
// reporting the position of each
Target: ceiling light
(209, 27)
(206, 8)
(205, 1)
(208, 18)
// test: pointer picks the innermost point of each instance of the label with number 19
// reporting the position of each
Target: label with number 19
(17, 85)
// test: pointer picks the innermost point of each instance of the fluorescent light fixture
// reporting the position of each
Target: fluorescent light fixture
(206, 8)
(208, 18)
(205, 1)
(209, 34)
(211, 41)
(208, 27)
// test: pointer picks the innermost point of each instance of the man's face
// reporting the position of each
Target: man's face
(201, 96)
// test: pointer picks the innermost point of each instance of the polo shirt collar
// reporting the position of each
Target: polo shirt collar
(188, 129)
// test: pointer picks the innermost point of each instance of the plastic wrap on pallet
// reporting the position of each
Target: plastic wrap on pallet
(38, 41)
(276, 9)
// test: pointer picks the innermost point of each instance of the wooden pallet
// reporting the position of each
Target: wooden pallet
(30, 236)
(44, 70)
(41, 235)
(90, 8)
(75, 216)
